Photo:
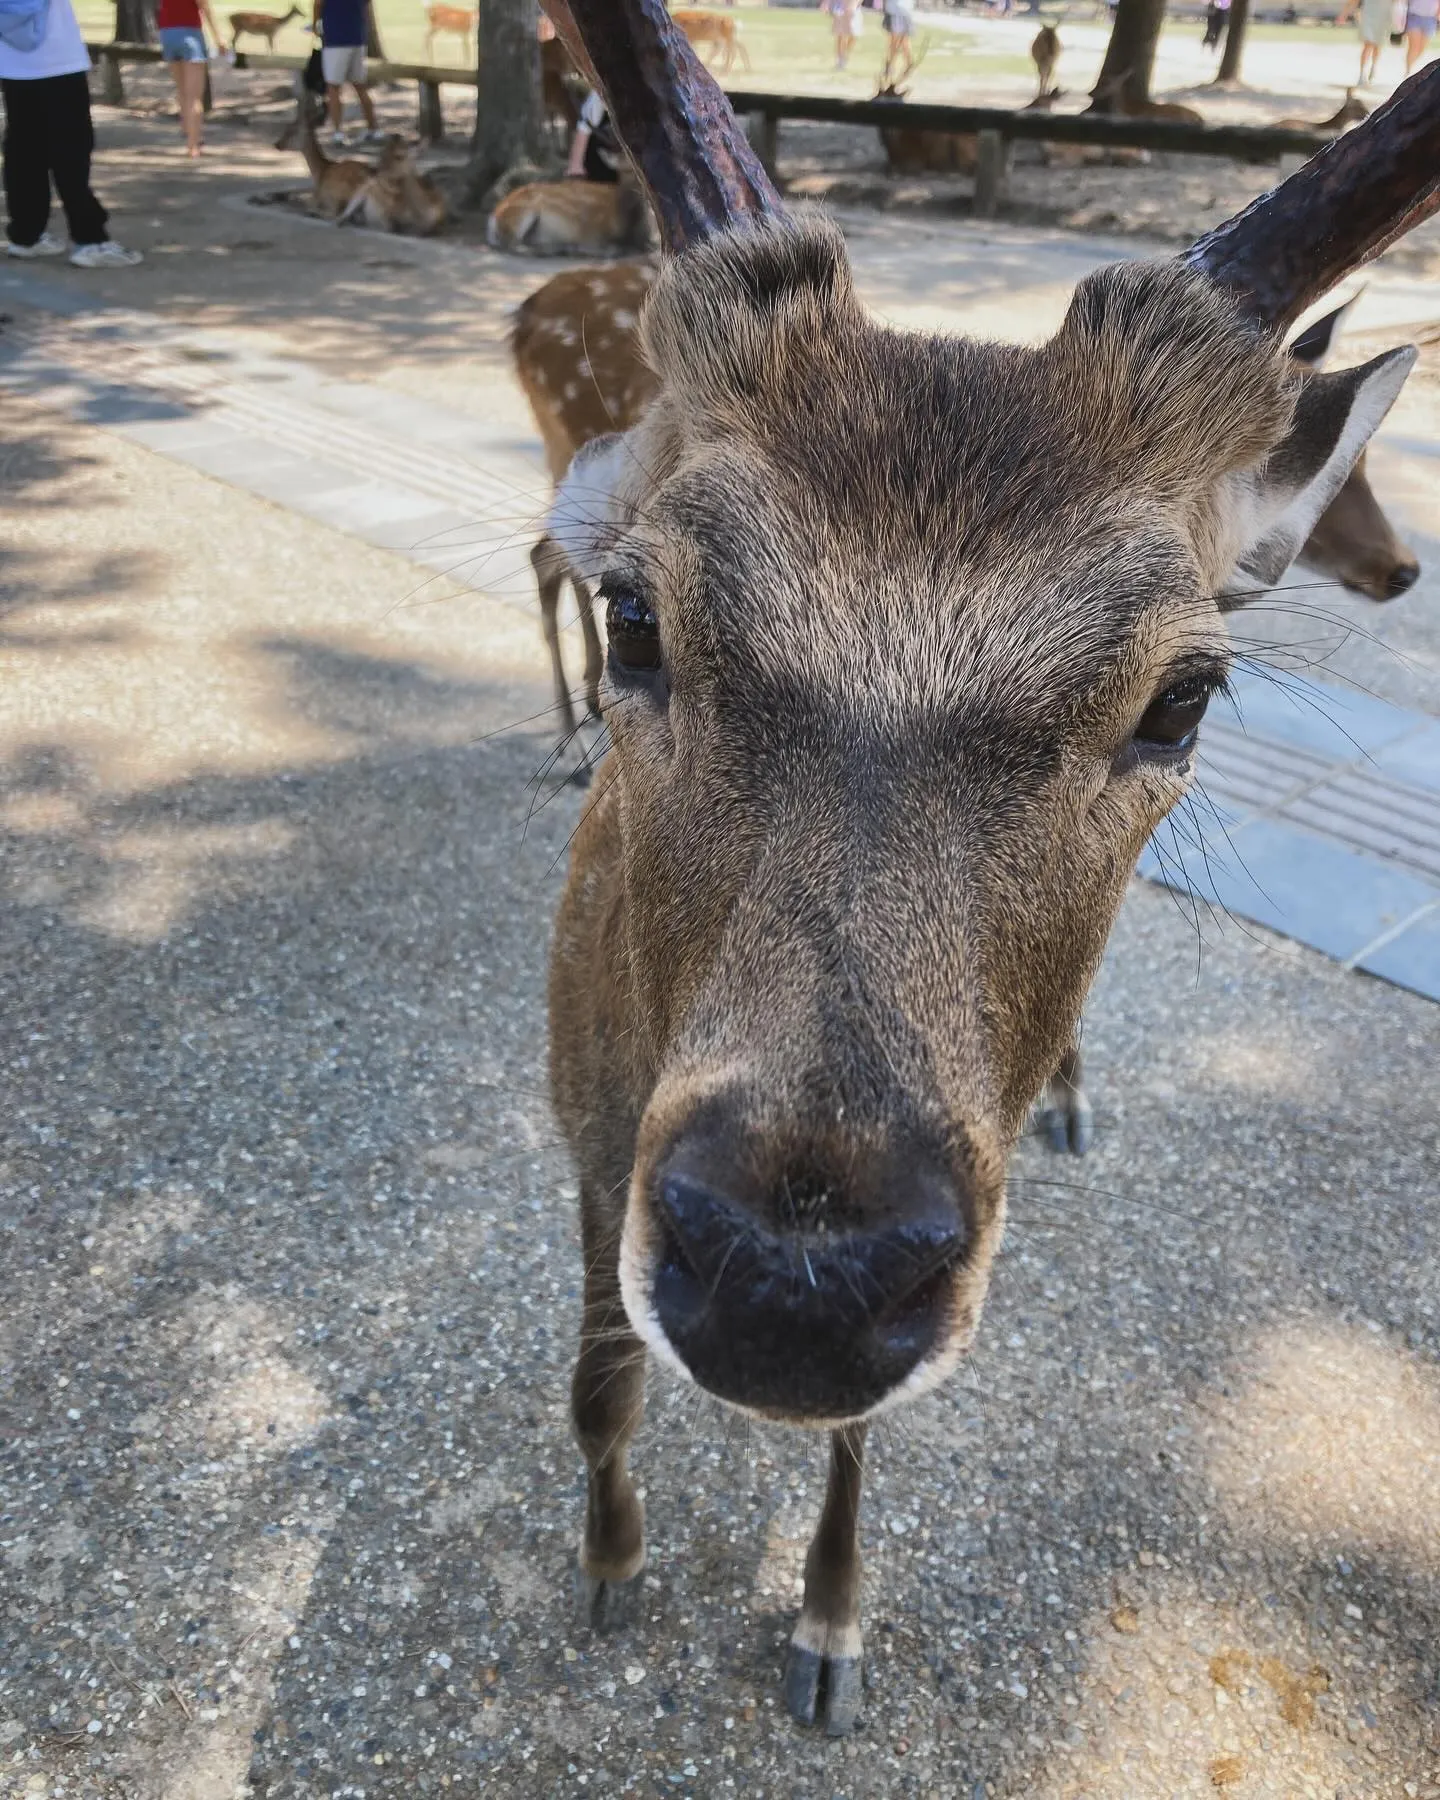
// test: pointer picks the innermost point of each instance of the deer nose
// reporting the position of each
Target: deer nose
(807, 1324)
(1401, 579)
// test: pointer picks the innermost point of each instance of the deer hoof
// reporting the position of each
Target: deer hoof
(604, 1605)
(1068, 1124)
(580, 775)
(823, 1687)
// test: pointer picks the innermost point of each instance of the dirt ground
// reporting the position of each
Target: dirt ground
(288, 1500)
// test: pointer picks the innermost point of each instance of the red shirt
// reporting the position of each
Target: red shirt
(177, 12)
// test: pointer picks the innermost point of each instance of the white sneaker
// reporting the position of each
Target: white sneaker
(108, 255)
(47, 244)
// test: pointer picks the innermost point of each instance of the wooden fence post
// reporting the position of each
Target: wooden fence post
(112, 82)
(432, 119)
(992, 163)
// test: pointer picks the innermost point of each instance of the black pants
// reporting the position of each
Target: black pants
(48, 132)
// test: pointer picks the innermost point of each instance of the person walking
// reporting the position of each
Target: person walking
(341, 24)
(1420, 16)
(182, 24)
(1374, 21)
(899, 24)
(44, 81)
(845, 25)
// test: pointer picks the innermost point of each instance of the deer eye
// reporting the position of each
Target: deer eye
(1172, 718)
(631, 626)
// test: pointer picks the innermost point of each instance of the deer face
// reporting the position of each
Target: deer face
(909, 641)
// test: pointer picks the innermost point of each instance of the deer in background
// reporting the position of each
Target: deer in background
(258, 24)
(910, 641)
(1109, 97)
(396, 196)
(912, 150)
(459, 20)
(722, 34)
(571, 218)
(335, 184)
(1045, 53)
(1350, 112)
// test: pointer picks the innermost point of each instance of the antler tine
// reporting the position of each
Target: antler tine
(1346, 204)
(670, 115)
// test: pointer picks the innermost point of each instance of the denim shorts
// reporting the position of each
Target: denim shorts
(182, 43)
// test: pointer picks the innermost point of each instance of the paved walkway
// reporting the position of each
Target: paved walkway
(1318, 813)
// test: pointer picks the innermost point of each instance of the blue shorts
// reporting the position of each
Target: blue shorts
(182, 43)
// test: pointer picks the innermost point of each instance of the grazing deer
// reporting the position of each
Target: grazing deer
(1110, 97)
(1350, 112)
(397, 197)
(335, 184)
(910, 640)
(912, 151)
(1045, 53)
(571, 218)
(457, 19)
(258, 24)
(722, 34)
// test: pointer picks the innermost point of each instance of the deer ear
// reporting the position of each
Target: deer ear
(1280, 502)
(595, 501)
(1314, 344)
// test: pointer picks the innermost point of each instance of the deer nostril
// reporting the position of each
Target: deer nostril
(1401, 579)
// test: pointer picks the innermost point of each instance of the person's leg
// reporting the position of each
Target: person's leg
(1414, 48)
(27, 168)
(332, 106)
(192, 104)
(71, 143)
(367, 105)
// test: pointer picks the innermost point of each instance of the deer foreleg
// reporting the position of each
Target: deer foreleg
(823, 1675)
(1065, 1114)
(594, 653)
(548, 561)
(607, 1400)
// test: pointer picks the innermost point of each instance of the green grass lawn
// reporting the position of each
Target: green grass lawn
(790, 50)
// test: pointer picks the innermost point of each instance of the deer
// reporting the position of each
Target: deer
(911, 150)
(1350, 112)
(722, 33)
(396, 197)
(571, 218)
(1108, 96)
(336, 183)
(1045, 53)
(258, 24)
(558, 80)
(457, 19)
(910, 641)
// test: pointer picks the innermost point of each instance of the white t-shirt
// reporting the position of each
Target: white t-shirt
(60, 52)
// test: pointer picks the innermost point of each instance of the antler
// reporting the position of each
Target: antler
(1349, 202)
(670, 115)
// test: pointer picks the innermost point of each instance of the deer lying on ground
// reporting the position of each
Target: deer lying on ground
(258, 24)
(335, 183)
(1045, 53)
(396, 196)
(571, 218)
(1350, 112)
(459, 20)
(910, 150)
(721, 33)
(910, 640)
(1110, 97)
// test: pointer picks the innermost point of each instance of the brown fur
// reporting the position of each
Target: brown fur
(1350, 112)
(335, 183)
(910, 151)
(459, 20)
(258, 24)
(722, 33)
(842, 884)
(571, 218)
(397, 197)
(558, 82)
(1111, 99)
(1045, 53)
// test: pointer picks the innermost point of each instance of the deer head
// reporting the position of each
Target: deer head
(910, 640)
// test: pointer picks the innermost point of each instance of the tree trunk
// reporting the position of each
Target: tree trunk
(134, 22)
(1229, 75)
(509, 113)
(1129, 56)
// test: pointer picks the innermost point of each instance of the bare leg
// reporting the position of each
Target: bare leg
(192, 103)
(594, 655)
(823, 1674)
(1065, 1114)
(548, 561)
(367, 106)
(607, 1400)
(332, 107)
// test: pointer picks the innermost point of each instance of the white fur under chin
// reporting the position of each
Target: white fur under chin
(635, 1290)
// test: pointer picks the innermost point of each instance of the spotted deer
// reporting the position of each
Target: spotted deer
(571, 218)
(910, 639)
(396, 196)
